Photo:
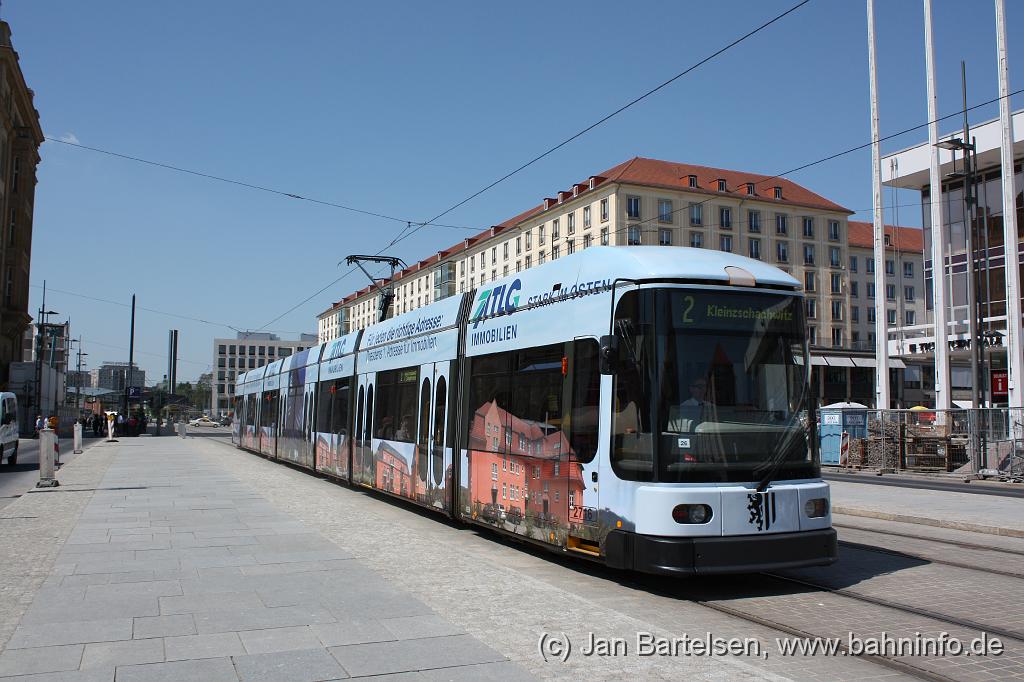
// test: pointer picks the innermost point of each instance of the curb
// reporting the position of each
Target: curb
(936, 523)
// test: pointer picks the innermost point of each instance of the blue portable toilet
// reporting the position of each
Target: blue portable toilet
(837, 418)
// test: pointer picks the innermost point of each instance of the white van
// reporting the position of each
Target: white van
(9, 428)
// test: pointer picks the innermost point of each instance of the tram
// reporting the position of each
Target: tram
(645, 407)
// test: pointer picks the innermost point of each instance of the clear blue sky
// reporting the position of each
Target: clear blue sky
(405, 108)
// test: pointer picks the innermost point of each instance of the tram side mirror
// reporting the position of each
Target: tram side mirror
(609, 362)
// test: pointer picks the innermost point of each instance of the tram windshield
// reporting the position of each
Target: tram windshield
(711, 385)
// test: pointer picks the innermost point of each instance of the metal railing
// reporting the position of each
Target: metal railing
(986, 442)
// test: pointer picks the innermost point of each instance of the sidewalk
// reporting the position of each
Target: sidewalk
(151, 562)
(940, 508)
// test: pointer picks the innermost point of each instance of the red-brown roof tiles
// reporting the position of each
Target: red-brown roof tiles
(671, 175)
(903, 238)
(653, 173)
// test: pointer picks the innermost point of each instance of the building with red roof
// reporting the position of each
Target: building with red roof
(639, 201)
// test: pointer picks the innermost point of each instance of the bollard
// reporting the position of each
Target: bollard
(78, 438)
(181, 429)
(110, 428)
(47, 444)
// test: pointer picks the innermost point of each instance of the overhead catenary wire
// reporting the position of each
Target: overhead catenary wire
(607, 117)
(249, 185)
(406, 232)
(238, 329)
(716, 197)
(825, 159)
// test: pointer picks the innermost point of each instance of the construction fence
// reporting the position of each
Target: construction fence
(976, 441)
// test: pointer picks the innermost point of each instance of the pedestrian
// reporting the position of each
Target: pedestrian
(39, 425)
(95, 425)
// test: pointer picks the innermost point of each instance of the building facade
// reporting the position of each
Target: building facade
(52, 340)
(904, 281)
(115, 376)
(916, 343)
(643, 201)
(20, 138)
(248, 350)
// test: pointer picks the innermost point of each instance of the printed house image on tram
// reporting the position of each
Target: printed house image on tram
(645, 407)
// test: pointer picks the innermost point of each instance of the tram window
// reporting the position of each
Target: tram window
(706, 395)
(292, 408)
(437, 460)
(585, 399)
(339, 407)
(306, 409)
(423, 438)
(368, 427)
(323, 418)
(250, 410)
(395, 417)
(632, 442)
(453, 378)
(488, 402)
(268, 417)
(359, 415)
(537, 397)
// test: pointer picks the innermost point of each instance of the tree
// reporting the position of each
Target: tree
(197, 395)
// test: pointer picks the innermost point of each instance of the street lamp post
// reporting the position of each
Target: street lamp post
(78, 378)
(40, 331)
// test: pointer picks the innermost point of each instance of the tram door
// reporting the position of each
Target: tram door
(584, 474)
(362, 454)
(432, 456)
(306, 448)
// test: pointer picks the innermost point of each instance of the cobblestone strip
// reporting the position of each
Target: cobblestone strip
(508, 596)
(931, 550)
(989, 600)
(832, 615)
(915, 530)
(35, 526)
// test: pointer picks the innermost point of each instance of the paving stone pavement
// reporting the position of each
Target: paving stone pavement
(33, 528)
(507, 595)
(153, 562)
(170, 559)
(988, 514)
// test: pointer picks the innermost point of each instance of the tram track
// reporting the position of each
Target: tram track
(952, 543)
(944, 562)
(889, 662)
(904, 664)
(904, 608)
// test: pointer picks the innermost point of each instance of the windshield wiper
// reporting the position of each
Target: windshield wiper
(774, 466)
(776, 463)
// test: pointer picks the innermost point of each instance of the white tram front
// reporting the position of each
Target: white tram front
(646, 407)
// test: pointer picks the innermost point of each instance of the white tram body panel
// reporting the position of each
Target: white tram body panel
(647, 407)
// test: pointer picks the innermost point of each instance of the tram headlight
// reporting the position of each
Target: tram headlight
(816, 508)
(691, 513)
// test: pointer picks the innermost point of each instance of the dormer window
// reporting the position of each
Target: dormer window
(575, 190)
(888, 241)
(750, 188)
(693, 181)
(593, 183)
(778, 192)
(721, 185)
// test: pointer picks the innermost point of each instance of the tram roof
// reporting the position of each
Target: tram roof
(647, 263)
